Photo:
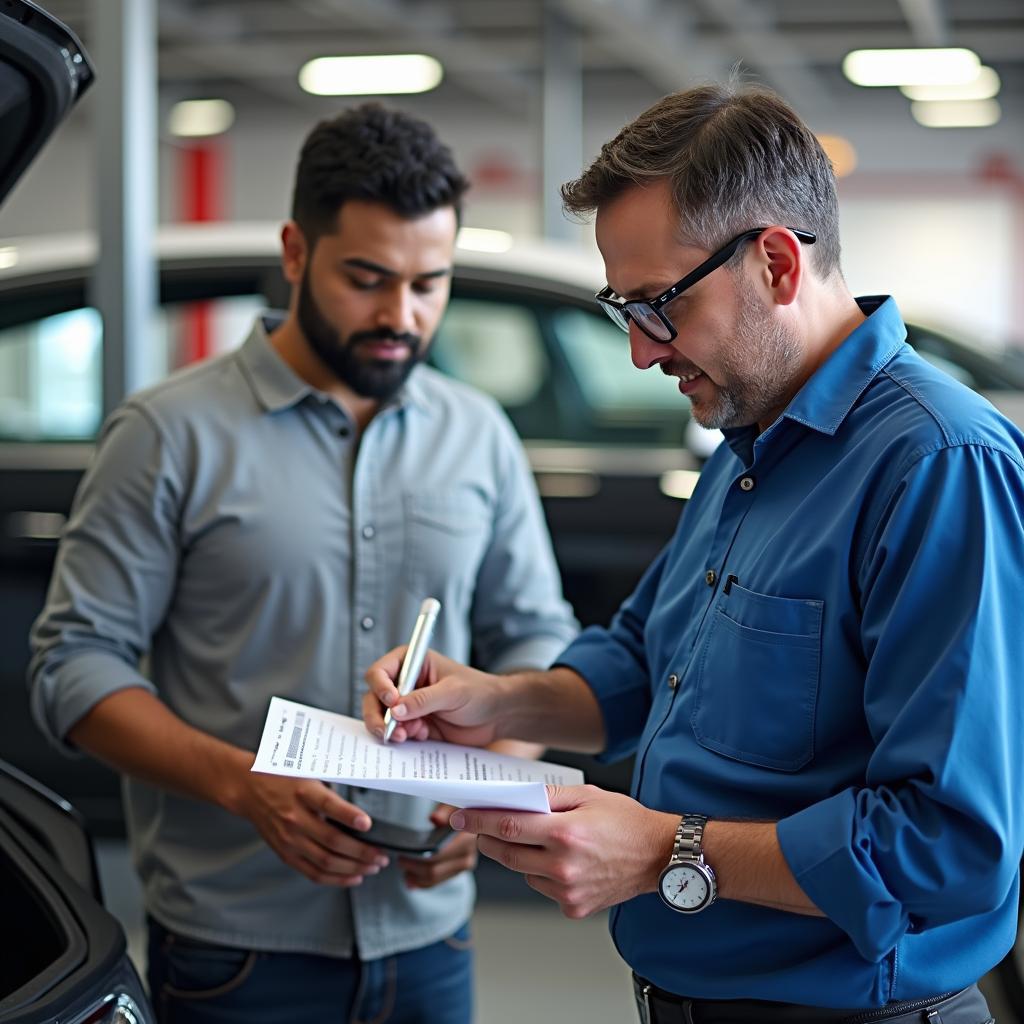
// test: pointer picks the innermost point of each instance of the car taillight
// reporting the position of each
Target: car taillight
(120, 1009)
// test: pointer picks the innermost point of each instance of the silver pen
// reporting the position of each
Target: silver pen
(412, 664)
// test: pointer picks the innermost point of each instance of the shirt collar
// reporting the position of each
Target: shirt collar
(274, 383)
(277, 386)
(828, 396)
(830, 393)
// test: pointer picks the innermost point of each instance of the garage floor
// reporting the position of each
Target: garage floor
(532, 964)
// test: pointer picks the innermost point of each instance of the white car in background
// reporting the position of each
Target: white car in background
(613, 449)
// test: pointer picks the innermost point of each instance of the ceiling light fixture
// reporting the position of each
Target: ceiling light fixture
(8, 257)
(983, 87)
(381, 75)
(194, 118)
(945, 66)
(956, 113)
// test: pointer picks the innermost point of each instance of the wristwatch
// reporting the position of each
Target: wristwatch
(688, 884)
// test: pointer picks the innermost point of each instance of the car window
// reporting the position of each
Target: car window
(495, 346)
(51, 367)
(598, 353)
(947, 365)
(50, 374)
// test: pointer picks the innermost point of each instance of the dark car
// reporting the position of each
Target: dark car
(64, 957)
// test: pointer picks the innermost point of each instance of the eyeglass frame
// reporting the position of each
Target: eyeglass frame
(713, 262)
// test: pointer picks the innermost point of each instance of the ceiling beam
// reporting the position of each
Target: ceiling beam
(754, 38)
(655, 39)
(927, 21)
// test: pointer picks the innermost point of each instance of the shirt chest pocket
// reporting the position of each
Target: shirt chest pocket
(446, 537)
(757, 679)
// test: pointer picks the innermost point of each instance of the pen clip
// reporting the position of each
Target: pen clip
(729, 581)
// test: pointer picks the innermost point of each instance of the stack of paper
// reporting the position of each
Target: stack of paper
(313, 744)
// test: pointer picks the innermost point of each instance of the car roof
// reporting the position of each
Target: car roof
(44, 257)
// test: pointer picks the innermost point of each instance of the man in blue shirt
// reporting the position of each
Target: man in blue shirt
(819, 674)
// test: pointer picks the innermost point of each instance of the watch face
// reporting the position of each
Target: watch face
(684, 887)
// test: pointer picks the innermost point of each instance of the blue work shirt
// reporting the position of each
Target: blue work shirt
(832, 641)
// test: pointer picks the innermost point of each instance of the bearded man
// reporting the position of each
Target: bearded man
(267, 523)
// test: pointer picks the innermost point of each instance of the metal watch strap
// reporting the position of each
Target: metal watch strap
(689, 838)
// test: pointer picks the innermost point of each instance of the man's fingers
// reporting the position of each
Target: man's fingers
(457, 855)
(381, 675)
(428, 700)
(509, 826)
(373, 714)
(441, 814)
(526, 860)
(323, 800)
(326, 871)
(565, 798)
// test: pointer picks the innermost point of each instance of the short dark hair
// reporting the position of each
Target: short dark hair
(373, 153)
(736, 156)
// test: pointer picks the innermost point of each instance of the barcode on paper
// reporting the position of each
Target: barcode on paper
(293, 745)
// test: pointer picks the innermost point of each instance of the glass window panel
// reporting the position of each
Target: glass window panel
(495, 346)
(599, 357)
(50, 377)
(51, 368)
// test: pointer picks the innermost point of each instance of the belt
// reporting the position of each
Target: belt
(656, 1006)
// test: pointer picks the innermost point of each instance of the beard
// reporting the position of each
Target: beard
(367, 377)
(757, 370)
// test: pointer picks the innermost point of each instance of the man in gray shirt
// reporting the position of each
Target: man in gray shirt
(268, 522)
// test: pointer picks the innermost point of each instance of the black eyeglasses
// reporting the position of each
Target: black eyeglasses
(649, 317)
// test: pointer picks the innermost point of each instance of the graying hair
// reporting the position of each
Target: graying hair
(737, 157)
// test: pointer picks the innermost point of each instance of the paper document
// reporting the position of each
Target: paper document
(313, 744)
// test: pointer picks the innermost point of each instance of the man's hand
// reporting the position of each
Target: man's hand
(291, 815)
(451, 702)
(457, 855)
(596, 850)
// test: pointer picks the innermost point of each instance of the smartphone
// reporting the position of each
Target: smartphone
(412, 842)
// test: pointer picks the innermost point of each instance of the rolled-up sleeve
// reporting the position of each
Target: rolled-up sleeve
(114, 576)
(520, 619)
(936, 832)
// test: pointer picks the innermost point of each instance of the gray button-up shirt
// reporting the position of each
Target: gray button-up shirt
(235, 528)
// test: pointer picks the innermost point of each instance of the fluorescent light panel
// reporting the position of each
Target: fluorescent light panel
(8, 257)
(194, 118)
(956, 113)
(381, 75)
(983, 87)
(947, 66)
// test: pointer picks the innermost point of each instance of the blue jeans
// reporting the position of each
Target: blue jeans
(194, 982)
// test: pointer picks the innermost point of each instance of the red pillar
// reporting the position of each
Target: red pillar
(200, 198)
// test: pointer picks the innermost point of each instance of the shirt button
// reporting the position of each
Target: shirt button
(673, 681)
(369, 533)
(710, 577)
(747, 483)
(367, 622)
(344, 430)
